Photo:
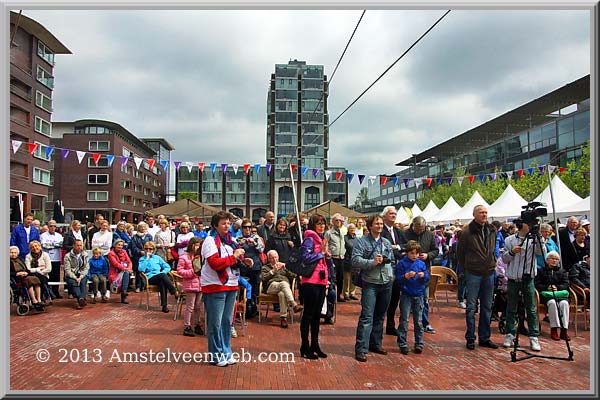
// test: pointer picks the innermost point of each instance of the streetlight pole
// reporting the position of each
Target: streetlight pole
(415, 175)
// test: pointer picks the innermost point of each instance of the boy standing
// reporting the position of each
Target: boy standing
(412, 277)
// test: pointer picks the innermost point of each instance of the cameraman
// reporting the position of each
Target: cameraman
(521, 269)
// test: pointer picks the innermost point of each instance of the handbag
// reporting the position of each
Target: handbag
(296, 265)
(546, 295)
(263, 258)
(117, 285)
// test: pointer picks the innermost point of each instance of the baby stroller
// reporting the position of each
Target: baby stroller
(499, 303)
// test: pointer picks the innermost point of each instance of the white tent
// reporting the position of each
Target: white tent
(402, 216)
(507, 205)
(581, 207)
(563, 196)
(416, 211)
(447, 212)
(429, 211)
(466, 212)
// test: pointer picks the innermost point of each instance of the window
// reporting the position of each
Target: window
(38, 153)
(45, 53)
(136, 173)
(147, 178)
(42, 126)
(41, 176)
(42, 101)
(137, 188)
(99, 145)
(97, 179)
(97, 196)
(125, 184)
(146, 192)
(311, 197)
(286, 201)
(45, 78)
(102, 163)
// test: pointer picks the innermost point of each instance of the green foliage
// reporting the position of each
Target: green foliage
(187, 195)
(578, 183)
(40, 216)
(362, 198)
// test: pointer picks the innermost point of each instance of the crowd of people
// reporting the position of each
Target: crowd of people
(384, 265)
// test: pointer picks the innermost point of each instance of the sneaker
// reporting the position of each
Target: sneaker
(534, 344)
(233, 332)
(107, 294)
(198, 330)
(222, 363)
(462, 304)
(429, 329)
(137, 290)
(231, 360)
(98, 296)
(508, 340)
(187, 331)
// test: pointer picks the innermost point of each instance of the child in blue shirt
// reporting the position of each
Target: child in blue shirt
(412, 277)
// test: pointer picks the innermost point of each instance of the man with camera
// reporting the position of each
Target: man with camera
(519, 257)
(373, 256)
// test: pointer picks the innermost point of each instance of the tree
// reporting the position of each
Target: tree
(362, 198)
(577, 182)
(187, 195)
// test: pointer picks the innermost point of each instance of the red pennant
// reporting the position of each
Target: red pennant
(32, 147)
(201, 166)
(294, 168)
(197, 219)
(520, 173)
(151, 162)
(338, 175)
(383, 180)
(471, 179)
(96, 157)
(428, 181)
(562, 169)
(246, 168)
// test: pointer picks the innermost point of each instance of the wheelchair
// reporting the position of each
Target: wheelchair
(19, 295)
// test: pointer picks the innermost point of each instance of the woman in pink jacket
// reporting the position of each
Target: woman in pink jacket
(119, 261)
(191, 286)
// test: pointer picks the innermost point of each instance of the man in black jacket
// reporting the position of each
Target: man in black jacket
(397, 239)
(418, 232)
(566, 237)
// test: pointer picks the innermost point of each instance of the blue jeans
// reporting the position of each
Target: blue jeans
(374, 301)
(426, 307)
(78, 291)
(219, 314)
(407, 304)
(479, 288)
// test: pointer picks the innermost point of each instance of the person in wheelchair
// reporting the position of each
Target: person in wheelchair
(39, 265)
(19, 275)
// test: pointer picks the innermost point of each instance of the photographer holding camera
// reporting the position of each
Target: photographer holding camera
(373, 256)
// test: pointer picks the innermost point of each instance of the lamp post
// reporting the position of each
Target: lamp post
(415, 174)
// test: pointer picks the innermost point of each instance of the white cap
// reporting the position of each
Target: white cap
(584, 222)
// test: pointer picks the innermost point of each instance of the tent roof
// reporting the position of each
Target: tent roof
(429, 211)
(447, 212)
(582, 206)
(466, 212)
(402, 216)
(416, 211)
(189, 207)
(563, 196)
(329, 208)
(507, 205)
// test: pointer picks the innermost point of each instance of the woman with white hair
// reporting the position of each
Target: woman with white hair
(552, 283)
(20, 274)
(137, 251)
(184, 237)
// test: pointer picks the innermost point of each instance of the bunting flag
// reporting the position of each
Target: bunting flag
(80, 155)
(235, 168)
(493, 176)
(124, 161)
(338, 176)
(178, 165)
(383, 179)
(509, 174)
(246, 168)
(586, 174)
(395, 179)
(49, 151)
(405, 180)
(294, 168)
(471, 178)
(315, 172)
(65, 153)
(213, 167)
(573, 171)
(32, 147)
(551, 168)
(520, 173)
(438, 181)
(269, 166)
(304, 169)
(138, 161)
(15, 145)
(96, 157)
(428, 181)
(224, 167)
(482, 178)
(561, 170)
(257, 168)
(542, 169)
(111, 158)
(164, 164)
(350, 177)
(418, 181)
(151, 162)
(201, 166)
(531, 171)
(372, 179)
(327, 174)
(189, 166)
(460, 180)
(361, 178)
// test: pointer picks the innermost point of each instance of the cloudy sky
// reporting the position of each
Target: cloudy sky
(200, 78)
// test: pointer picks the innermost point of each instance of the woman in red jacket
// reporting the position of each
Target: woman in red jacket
(119, 261)
(191, 287)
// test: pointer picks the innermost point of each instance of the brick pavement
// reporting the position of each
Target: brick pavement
(445, 364)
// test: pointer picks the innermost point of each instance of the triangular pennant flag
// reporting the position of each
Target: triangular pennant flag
(189, 166)
(471, 179)
(201, 166)
(586, 174)
(482, 178)
(493, 176)
(438, 181)
(530, 170)
(177, 165)
(32, 147)
(327, 175)
(151, 162)
(213, 167)
(405, 180)
(552, 168)
(282, 168)
(257, 168)
(294, 168)
(124, 160)
(372, 179)
(449, 180)
(520, 173)
(96, 157)
(224, 167)
(315, 172)
(460, 180)
(509, 174)
(361, 178)
(111, 158)
(350, 177)
(428, 181)
(383, 180)
(418, 181)
(338, 176)
(269, 166)
(164, 164)
(138, 161)
(49, 151)
(304, 169)
(573, 171)
(235, 168)
(542, 169)
(65, 153)
(15, 145)
(246, 168)
(395, 179)
(80, 155)
(562, 169)
(503, 175)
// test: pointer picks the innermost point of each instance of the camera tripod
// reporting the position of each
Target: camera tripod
(536, 240)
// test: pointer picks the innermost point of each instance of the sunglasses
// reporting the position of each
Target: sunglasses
(148, 248)
(247, 226)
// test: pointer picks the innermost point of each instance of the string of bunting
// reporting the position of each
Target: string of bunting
(383, 178)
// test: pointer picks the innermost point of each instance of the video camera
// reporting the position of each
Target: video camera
(531, 212)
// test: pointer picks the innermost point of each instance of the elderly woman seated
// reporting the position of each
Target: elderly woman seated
(20, 274)
(156, 270)
(38, 264)
(277, 280)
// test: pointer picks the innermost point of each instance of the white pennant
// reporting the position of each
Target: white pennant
(372, 179)
(235, 168)
(327, 175)
(15, 145)
(509, 174)
(551, 168)
(418, 181)
(189, 166)
(460, 180)
(138, 161)
(80, 155)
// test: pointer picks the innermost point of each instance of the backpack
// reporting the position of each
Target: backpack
(296, 265)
